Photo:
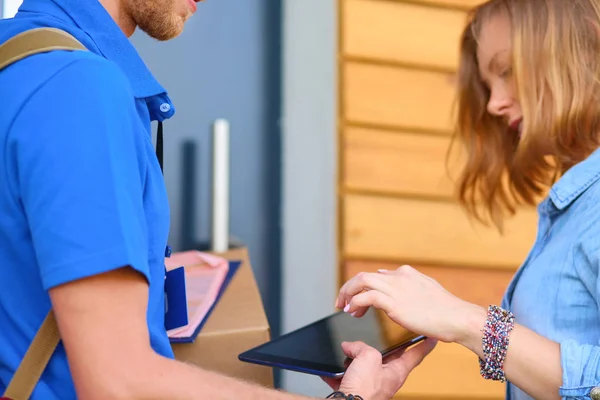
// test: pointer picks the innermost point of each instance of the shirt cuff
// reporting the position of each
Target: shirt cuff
(580, 369)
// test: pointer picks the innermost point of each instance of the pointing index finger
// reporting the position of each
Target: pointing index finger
(363, 282)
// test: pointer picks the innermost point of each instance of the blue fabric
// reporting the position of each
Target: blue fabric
(556, 292)
(82, 192)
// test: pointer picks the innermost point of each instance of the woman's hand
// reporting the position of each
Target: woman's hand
(373, 378)
(414, 301)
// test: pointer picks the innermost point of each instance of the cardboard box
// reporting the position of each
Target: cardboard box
(237, 323)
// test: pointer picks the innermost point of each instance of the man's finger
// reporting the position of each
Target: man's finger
(360, 349)
(333, 383)
(413, 357)
(388, 358)
(352, 349)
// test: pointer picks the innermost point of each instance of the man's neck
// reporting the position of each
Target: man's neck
(118, 11)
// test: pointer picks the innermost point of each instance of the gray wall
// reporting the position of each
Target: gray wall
(225, 65)
(309, 178)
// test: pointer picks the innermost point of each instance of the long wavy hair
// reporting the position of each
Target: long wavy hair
(556, 67)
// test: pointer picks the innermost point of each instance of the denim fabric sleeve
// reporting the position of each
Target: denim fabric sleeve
(581, 369)
(580, 362)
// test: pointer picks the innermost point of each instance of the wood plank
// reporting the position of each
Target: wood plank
(402, 32)
(450, 371)
(431, 232)
(453, 368)
(398, 97)
(398, 162)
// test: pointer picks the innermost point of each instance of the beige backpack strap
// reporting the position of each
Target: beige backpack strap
(35, 41)
(33, 364)
(40, 351)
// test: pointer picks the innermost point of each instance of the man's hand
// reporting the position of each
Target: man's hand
(102, 323)
(373, 378)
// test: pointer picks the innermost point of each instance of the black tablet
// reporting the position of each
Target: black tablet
(316, 348)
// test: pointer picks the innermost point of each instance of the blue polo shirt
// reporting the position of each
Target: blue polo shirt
(81, 191)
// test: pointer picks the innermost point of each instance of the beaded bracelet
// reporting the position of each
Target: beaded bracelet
(498, 325)
(341, 395)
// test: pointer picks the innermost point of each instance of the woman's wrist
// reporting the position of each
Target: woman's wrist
(495, 341)
(470, 327)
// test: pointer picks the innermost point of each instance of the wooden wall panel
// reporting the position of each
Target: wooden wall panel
(450, 371)
(398, 162)
(398, 97)
(438, 32)
(397, 90)
(431, 232)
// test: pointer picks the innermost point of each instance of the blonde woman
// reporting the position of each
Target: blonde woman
(529, 111)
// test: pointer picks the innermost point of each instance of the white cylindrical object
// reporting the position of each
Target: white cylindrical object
(220, 212)
(10, 8)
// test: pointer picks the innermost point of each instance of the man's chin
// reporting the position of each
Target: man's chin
(163, 34)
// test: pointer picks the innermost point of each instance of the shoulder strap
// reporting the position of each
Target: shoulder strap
(33, 364)
(36, 41)
(40, 351)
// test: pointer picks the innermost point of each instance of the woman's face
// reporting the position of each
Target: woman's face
(495, 69)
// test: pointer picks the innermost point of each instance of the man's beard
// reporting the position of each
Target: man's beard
(158, 18)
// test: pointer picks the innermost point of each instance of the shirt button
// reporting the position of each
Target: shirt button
(595, 393)
(165, 107)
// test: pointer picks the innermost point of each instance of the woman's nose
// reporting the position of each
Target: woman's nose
(498, 105)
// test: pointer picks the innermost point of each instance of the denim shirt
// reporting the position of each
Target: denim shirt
(556, 292)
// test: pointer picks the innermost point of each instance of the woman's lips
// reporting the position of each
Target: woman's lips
(516, 125)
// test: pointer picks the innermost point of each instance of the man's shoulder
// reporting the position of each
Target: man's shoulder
(76, 68)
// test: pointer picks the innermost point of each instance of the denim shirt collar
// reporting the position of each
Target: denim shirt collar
(576, 181)
(102, 36)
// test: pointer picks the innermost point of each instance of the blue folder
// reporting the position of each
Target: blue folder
(233, 267)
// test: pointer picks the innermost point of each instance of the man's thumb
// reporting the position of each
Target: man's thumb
(359, 349)
(414, 356)
(353, 349)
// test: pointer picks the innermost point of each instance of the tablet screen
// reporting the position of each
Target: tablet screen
(316, 348)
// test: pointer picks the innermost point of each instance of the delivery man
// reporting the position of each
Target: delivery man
(84, 217)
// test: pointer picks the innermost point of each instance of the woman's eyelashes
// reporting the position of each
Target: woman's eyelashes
(506, 73)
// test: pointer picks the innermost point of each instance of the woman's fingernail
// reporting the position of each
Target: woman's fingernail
(382, 270)
(347, 308)
(354, 313)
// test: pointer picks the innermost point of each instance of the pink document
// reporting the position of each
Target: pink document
(204, 276)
